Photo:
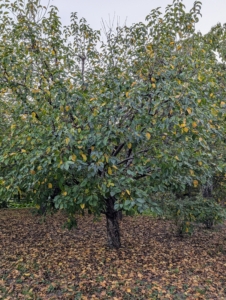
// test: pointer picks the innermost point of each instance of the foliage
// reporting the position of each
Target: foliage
(188, 211)
(104, 125)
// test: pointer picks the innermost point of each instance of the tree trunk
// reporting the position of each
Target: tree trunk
(207, 191)
(113, 232)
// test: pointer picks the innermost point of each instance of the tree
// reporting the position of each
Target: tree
(104, 125)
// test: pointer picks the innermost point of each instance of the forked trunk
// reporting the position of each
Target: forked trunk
(113, 232)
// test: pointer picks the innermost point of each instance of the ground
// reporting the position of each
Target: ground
(43, 260)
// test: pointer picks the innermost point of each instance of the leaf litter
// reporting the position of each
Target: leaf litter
(43, 260)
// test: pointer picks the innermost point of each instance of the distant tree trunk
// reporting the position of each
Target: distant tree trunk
(207, 191)
(113, 232)
(49, 203)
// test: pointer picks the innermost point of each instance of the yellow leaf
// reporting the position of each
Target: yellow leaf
(67, 108)
(60, 163)
(127, 94)
(82, 206)
(149, 47)
(13, 126)
(47, 92)
(109, 171)
(186, 129)
(195, 183)
(32, 172)
(128, 192)
(73, 157)
(84, 157)
(92, 99)
(200, 163)
(64, 193)
(134, 83)
(148, 136)
(182, 125)
(179, 47)
(194, 124)
(189, 110)
(222, 103)
(129, 145)
(199, 77)
(191, 172)
(37, 206)
(128, 290)
(33, 114)
(39, 168)
(211, 95)
(67, 140)
(115, 167)
(177, 158)
(50, 185)
(35, 91)
(28, 138)
(48, 150)
(53, 52)
(153, 79)
(172, 43)
(95, 112)
(23, 151)
(214, 111)
(153, 85)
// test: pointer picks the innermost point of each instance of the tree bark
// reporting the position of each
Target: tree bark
(113, 231)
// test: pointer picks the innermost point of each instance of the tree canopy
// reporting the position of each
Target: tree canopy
(104, 124)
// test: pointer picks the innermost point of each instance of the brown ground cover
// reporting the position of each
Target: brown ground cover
(42, 260)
